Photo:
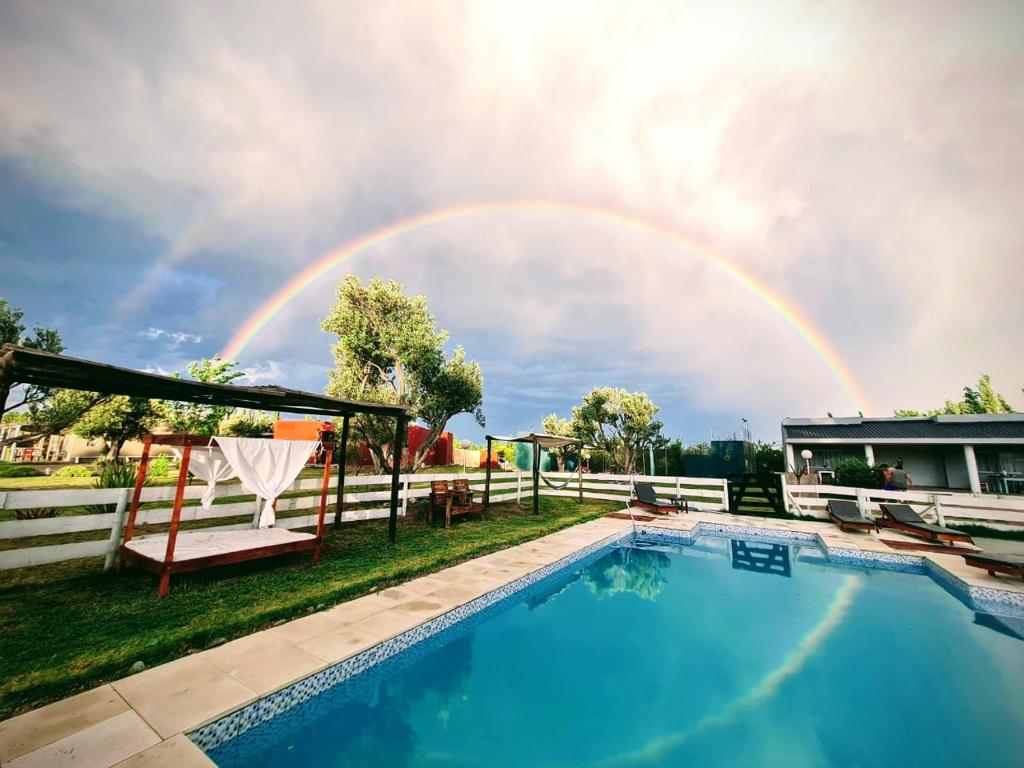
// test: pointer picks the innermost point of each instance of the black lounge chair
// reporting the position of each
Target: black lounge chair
(903, 518)
(648, 499)
(1011, 565)
(845, 514)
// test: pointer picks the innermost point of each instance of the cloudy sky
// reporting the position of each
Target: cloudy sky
(167, 167)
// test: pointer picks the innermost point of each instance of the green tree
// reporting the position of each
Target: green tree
(553, 425)
(982, 398)
(619, 422)
(244, 423)
(390, 351)
(201, 418)
(12, 331)
(119, 419)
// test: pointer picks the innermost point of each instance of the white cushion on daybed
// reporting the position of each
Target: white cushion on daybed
(192, 545)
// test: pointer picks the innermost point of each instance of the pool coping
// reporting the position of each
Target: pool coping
(127, 723)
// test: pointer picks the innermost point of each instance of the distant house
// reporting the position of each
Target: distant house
(982, 452)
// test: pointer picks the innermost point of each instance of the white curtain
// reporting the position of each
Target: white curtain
(210, 465)
(266, 467)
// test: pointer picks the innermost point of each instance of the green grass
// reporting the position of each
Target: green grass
(68, 627)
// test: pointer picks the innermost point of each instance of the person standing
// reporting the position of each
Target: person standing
(901, 479)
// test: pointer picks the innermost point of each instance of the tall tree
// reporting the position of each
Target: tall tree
(119, 419)
(12, 331)
(200, 418)
(622, 423)
(563, 428)
(982, 398)
(390, 351)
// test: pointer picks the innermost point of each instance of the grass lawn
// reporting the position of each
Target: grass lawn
(67, 627)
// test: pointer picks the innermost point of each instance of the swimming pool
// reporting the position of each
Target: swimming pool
(719, 651)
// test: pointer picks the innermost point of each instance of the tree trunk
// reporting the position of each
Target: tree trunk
(114, 452)
(424, 448)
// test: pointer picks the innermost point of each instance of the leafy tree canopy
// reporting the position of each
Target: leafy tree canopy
(622, 423)
(12, 331)
(982, 398)
(389, 350)
(116, 420)
(200, 418)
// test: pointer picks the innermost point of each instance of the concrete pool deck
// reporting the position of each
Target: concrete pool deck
(141, 720)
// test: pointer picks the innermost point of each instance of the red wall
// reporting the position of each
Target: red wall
(442, 454)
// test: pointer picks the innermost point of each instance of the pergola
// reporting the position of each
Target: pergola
(20, 365)
(538, 441)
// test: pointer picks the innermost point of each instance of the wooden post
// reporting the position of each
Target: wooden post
(725, 494)
(117, 528)
(396, 474)
(579, 469)
(172, 534)
(324, 487)
(536, 477)
(487, 480)
(342, 454)
(140, 478)
(519, 486)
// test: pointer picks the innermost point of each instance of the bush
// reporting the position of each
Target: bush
(74, 470)
(18, 470)
(115, 474)
(36, 513)
(161, 466)
(857, 473)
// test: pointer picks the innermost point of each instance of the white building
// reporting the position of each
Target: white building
(984, 452)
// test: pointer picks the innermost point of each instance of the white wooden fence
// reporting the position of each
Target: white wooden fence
(373, 497)
(943, 507)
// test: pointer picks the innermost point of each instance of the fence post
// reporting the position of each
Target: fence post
(519, 486)
(785, 493)
(679, 487)
(117, 528)
(862, 503)
(725, 494)
(938, 510)
(405, 494)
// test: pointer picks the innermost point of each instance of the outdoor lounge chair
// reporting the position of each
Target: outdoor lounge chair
(1011, 565)
(647, 498)
(903, 518)
(845, 514)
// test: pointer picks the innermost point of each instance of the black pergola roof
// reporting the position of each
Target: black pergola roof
(20, 365)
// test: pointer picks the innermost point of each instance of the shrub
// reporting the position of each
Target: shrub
(36, 513)
(115, 474)
(74, 470)
(857, 473)
(18, 470)
(161, 466)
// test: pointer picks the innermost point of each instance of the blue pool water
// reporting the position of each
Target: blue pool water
(723, 652)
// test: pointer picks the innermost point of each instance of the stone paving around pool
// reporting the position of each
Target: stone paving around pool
(141, 720)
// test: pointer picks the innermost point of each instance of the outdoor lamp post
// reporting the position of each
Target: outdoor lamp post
(465, 447)
(806, 455)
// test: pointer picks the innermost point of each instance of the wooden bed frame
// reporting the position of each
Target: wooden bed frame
(167, 566)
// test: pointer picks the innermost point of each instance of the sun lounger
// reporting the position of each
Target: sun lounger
(647, 498)
(845, 514)
(903, 518)
(1011, 565)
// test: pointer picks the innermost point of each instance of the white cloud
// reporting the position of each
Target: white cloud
(864, 160)
(175, 337)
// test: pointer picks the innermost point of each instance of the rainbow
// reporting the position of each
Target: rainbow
(833, 615)
(324, 265)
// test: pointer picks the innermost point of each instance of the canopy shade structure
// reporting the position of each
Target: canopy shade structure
(539, 441)
(20, 365)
